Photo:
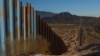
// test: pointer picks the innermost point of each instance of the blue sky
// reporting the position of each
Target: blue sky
(78, 7)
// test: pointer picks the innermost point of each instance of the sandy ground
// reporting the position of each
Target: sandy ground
(69, 34)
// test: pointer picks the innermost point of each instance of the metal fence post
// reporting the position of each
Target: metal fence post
(3, 11)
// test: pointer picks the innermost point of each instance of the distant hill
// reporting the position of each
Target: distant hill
(66, 17)
(45, 14)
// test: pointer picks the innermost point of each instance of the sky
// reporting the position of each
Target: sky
(78, 7)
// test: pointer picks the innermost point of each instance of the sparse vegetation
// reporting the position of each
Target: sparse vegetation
(67, 33)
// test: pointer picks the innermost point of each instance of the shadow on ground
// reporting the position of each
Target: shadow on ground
(56, 44)
(92, 47)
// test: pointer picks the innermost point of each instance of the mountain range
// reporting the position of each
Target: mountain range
(66, 17)
(45, 14)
